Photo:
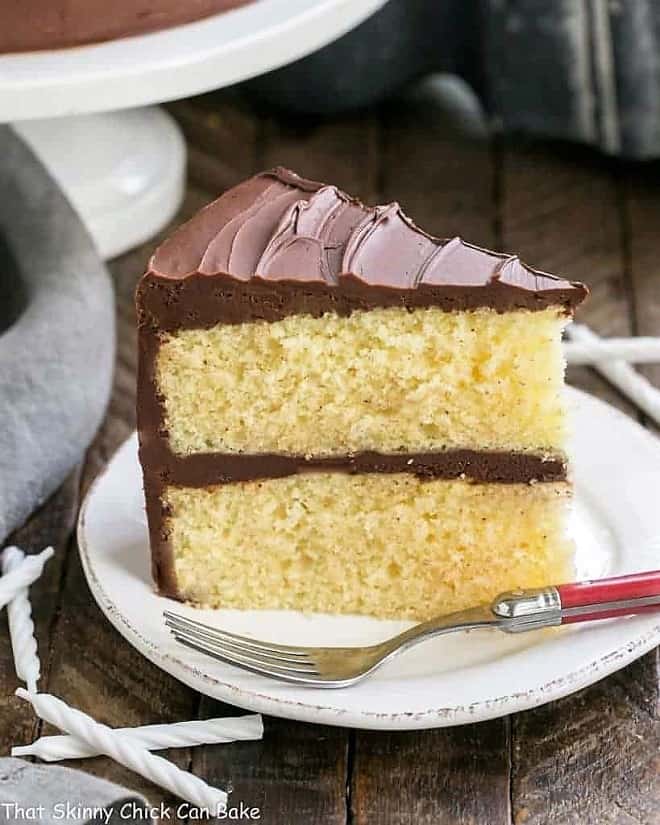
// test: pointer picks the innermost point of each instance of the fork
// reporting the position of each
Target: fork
(516, 611)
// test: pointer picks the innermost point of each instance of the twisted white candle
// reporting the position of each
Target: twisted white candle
(640, 391)
(21, 626)
(640, 350)
(22, 576)
(124, 750)
(152, 737)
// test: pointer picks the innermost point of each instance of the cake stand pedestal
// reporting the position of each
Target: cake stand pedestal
(121, 166)
(122, 171)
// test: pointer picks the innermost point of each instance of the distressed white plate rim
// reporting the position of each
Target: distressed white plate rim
(448, 681)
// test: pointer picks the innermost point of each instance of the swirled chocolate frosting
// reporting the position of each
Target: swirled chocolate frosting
(300, 246)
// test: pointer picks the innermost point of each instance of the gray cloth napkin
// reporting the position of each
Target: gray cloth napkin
(48, 795)
(56, 335)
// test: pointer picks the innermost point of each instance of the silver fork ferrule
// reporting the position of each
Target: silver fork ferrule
(528, 609)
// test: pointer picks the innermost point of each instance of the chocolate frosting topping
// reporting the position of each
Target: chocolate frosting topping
(278, 228)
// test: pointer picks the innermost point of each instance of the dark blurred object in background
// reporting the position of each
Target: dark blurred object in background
(405, 40)
(581, 70)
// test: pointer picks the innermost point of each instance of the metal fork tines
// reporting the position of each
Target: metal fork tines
(313, 666)
(268, 658)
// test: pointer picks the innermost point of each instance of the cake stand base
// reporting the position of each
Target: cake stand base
(122, 171)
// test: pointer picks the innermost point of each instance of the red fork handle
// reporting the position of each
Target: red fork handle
(607, 598)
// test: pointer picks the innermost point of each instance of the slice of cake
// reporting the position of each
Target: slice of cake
(341, 413)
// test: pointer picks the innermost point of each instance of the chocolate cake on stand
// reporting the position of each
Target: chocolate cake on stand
(122, 166)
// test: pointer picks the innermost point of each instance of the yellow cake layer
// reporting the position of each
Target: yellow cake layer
(387, 379)
(381, 545)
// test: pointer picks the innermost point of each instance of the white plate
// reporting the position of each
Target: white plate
(447, 681)
(177, 62)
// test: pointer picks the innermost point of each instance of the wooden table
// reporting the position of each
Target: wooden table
(590, 759)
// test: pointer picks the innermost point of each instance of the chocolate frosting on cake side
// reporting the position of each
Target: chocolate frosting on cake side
(278, 245)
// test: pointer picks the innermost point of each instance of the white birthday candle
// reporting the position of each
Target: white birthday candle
(638, 350)
(152, 737)
(125, 751)
(640, 391)
(27, 571)
(21, 626)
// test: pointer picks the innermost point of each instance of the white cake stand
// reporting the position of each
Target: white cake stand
(124, 170)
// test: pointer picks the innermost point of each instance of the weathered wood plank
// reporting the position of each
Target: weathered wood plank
(296, 774)
(444, 176)
(588, 759)
(440, 166)
(641, 202)
(443, 777)
(343, 152)
(52, 524)
(560, 212)
(591, 758)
